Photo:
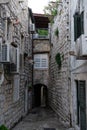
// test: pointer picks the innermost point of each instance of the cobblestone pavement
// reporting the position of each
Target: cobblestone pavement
(40, 119)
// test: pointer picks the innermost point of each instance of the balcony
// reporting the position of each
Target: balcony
(41, 34)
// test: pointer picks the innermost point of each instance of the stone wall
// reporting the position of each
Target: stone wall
(41, 46)
(11, 110)
(41, 76)
(59, 84)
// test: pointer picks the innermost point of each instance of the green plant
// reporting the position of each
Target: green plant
(42, 32)
(51, 9)
(58, 60)
(57, 32)
(3, 127)
(54, 12)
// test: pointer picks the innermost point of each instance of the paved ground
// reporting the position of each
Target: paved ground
(40, 119)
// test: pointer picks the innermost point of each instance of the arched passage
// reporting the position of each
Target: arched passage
(40, 95)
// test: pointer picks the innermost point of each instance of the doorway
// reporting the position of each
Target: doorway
(40, 95)
(81, 104)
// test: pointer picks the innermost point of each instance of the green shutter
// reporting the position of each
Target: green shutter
(78, 25)
(82, 23)
(75, 27)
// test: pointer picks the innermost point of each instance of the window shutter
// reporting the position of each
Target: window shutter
(82, 23)
(75, 27)
(78, 25)
(41, 61)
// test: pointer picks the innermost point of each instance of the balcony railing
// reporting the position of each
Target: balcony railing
(41, 34)
(36, 36)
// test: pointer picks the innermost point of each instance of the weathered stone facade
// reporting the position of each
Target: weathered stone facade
(41, 46)
(59, 83)
(78, 67)
(14, 87)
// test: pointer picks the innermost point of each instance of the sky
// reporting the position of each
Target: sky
(38, 5)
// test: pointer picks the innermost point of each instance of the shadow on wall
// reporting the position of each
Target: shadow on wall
(40, 95)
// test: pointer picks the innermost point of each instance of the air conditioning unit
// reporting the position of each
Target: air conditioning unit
(13, 54)
(4, 1)
(32, 27)
(77, 47)
(81, 47)
(5, 56)
(83, 51)
(8, 54)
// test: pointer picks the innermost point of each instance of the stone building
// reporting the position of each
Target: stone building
(41, 49)
(14, 59)
(79, 63)
(59, 91)
(68, 64)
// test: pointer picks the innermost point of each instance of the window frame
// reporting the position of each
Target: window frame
(42, 59)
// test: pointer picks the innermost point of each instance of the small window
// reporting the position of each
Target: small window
(16, 88)
(41, 61)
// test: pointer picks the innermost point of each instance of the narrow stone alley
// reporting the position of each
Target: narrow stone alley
(43, 62)
(40, 119)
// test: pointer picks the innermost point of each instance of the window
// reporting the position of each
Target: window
(16, 88)
(41, 61)
(78, 25)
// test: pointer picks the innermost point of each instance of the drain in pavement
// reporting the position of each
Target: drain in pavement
(49, 129)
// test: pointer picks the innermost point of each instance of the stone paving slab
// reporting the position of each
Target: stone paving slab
(40, 119)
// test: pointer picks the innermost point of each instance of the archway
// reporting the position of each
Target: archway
(40, 95)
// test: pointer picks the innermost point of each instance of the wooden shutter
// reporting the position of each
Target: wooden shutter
(78, 25)
(75, 27)
(82, 23)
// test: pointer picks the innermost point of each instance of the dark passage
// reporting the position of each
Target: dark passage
(37, 95)
(40, 95)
